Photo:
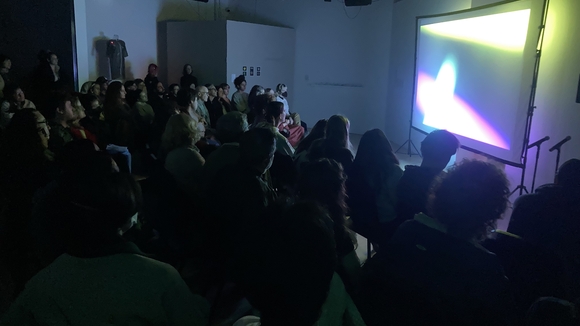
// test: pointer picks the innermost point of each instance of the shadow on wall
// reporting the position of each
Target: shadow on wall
(102, 60)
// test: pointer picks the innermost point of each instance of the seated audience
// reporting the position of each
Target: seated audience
(240, 97)
(548, 220)
(202, 95)
(273, 118)
(294, 119)
(213, 105)
(76, 128)
(62, 112)
(117, 115)
(317, 132)
(296, 284)
(230, 128)
(256, 91)
(188, 80)
(14, 100)
(183, 159)
(100, 88)
(130, 86)
(239, 195)
(372, 187)
(222, 91)
(437, 149)
(434, 270)
(323, 181)
(335, 145)
(144, 111)
(102, 278)
(187, 102)
(27, 165)
(86, 87)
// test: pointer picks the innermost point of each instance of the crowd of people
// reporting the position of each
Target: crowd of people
(130, 203)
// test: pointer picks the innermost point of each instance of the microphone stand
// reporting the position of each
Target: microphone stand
(558, 148)
(539, 145)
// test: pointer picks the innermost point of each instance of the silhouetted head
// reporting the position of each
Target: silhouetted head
(437, 149)
(470, 199)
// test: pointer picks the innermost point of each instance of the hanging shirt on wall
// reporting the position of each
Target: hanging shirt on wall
(117, 51)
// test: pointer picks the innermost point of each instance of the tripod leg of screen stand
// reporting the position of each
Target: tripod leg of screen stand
(521, 188)
(410, 152)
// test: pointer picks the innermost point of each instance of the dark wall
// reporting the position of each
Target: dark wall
(27, 26)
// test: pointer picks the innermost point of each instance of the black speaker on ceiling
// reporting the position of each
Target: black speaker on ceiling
(353, 3)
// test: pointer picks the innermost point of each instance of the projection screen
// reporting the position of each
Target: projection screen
(473, 75)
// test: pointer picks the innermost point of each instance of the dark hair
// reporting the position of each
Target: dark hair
(129, 83)
(317, 132)
(439, 143)
(172, 86)
(113, 99)
(184, 71)
(150, 66)
(87, 100)
(374, 154)
(97, 207)
(139, 81)
(231, 126)
(239, 80)
(132, 97)
(101, 80)
(55, 102)
(289, 274)
(261, 105)
(470, 199)
(569, 174)
(273, 111)
(253, 95)
(279, 88)
(9, 90)
(337, 130)
(224, 85)
(323, 181)
(185, 97)
(257, 145)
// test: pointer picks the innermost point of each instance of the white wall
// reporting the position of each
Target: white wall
(270, 48)
(135, 21)
(341, 63)
(80, 10)
(202, 44)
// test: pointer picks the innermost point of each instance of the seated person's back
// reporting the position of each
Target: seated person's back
(413, 188)
(102, 278)
(433, 270)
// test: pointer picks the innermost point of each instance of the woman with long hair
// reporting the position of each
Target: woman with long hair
(323, 181)
(372, 187)
(117, 115)
(317, 132)
(336, 144)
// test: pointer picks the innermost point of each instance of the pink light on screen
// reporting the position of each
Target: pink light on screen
(443, 109)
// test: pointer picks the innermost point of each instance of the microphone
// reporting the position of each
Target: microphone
(558, 145)
(539, 142)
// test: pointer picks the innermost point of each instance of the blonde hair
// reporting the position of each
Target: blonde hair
(181, 130)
